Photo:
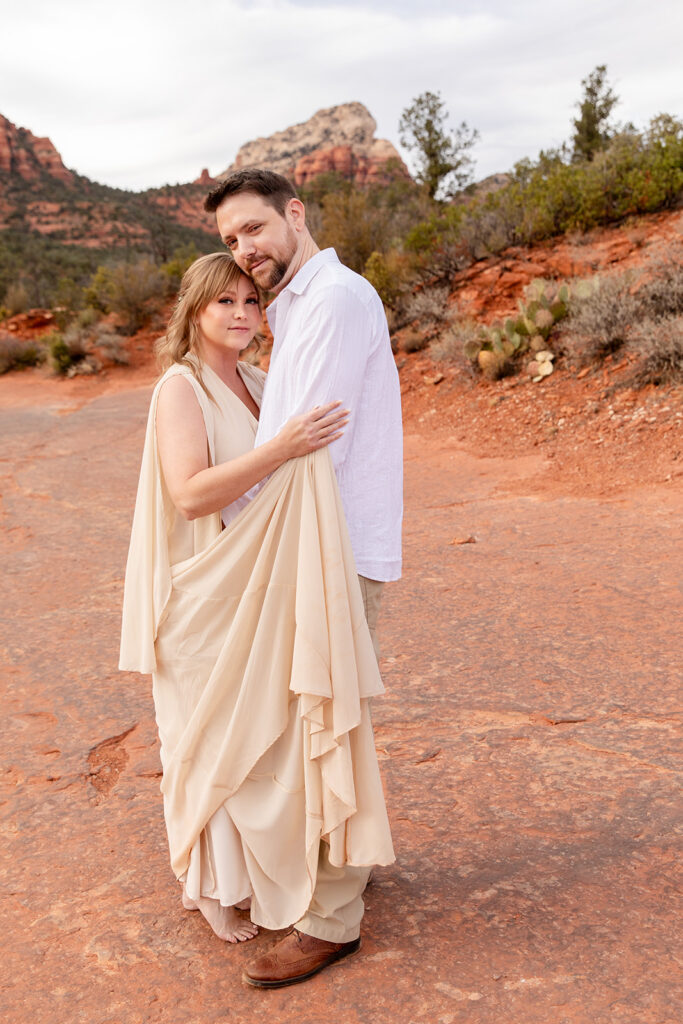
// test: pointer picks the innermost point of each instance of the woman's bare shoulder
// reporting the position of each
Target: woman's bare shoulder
(176, 392)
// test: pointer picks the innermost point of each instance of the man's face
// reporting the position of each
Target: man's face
(262, 242)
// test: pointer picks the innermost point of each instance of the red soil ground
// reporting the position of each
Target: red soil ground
(528, 736)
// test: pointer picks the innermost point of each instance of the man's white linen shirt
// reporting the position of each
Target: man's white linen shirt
(331, 342)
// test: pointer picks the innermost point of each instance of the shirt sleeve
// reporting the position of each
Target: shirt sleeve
(332, 352)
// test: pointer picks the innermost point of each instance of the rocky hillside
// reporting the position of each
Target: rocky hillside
(28, 157)
(39, 194)
(57, 224)
(340, 139)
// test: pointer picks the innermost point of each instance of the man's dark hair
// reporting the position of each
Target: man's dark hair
(275, 189)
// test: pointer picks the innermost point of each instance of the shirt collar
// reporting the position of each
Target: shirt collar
(305, 275)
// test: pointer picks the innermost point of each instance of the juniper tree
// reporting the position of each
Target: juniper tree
(592, 130)
(444, 164)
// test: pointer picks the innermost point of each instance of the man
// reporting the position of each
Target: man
(330, 342)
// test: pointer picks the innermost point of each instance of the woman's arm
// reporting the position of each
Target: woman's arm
(198, 489)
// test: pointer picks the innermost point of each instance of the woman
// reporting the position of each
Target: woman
(246, 615)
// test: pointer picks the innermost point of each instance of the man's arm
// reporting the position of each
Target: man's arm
(332, 352)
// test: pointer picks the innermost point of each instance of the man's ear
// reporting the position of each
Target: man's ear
(295, 213)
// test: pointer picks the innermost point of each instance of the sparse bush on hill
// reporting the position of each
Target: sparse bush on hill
(428, 306)
(636, 173)
(174, 268)
(16, 299)
(355, 226)
(642, 315)
(131, 290)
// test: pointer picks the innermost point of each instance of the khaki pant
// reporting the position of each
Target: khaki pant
(371, 591)
(336, 909)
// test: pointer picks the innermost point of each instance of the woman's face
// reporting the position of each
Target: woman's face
(231, 319)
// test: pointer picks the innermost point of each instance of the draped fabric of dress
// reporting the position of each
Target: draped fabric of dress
(262, 668)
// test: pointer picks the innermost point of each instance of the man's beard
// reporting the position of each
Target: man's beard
(272, 275)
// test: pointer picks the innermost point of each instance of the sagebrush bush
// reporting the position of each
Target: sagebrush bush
(661, 293)
(111, 345)
(600, 317)
(16, 354)
(658, 346)
(449, 346)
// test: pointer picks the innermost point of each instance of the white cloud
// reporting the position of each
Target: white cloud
(138, 94)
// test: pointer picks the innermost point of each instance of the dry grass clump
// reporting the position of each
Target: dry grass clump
(16, 354)
(412, 340)
(658, 345)
(428, 307)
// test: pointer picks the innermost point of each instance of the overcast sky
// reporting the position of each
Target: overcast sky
(139, 93)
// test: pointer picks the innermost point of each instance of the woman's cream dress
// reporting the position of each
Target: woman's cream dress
(262, 670)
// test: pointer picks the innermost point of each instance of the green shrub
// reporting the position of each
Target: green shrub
(355, 227)
(173, 270)
(389, 274)
(636, 173)
(87, 317)
(60, 356)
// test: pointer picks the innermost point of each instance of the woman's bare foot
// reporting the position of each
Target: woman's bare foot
(226, 922)
(187, 902)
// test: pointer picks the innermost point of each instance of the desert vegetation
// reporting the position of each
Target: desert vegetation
(410, 238)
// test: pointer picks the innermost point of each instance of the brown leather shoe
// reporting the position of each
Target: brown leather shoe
(295, 958)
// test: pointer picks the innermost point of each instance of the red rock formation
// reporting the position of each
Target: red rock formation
(360, 168)
(205, 179)
(25, 155)
(340, 139)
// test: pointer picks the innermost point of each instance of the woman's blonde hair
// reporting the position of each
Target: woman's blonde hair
(204, 280)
